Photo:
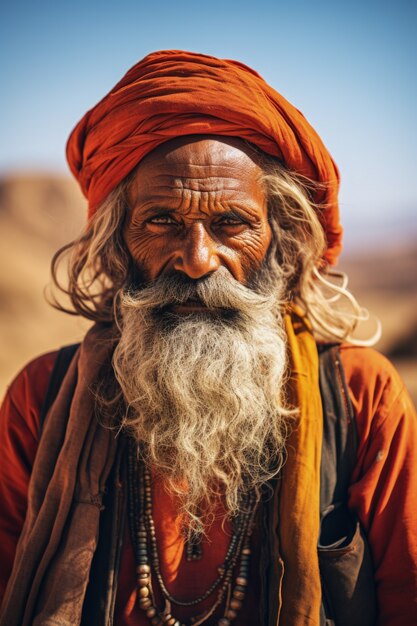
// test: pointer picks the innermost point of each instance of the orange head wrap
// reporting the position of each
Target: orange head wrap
(174, 93)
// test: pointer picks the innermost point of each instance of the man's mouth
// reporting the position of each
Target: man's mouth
(189, 306)
(195, 306)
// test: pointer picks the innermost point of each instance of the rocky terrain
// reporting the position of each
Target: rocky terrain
(39, 213)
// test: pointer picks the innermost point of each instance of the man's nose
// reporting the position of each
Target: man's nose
(197, 253)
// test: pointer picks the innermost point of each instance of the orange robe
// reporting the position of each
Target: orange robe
(383, 493)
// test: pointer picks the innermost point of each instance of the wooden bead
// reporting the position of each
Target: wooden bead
(242, 581)
(231, 614)
(143, 580)
(224, 621)
(143, 592)
(239, 595)
(235, 604)
(145, 603)
(151, 612)
(143, 569)
(156, 621)
(169, 620)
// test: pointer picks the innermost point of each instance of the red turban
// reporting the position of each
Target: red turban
(174, 93)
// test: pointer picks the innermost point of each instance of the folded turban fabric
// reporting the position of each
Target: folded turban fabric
(172, 93)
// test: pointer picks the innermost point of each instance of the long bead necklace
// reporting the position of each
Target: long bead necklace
(142, 529)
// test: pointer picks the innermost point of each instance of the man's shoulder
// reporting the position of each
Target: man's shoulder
(364, 361)
(374, 384)
(27, 390)
(37, 368)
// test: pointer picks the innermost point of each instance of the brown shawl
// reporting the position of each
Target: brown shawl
(59, 537)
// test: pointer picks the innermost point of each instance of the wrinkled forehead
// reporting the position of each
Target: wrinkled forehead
(202, 163)
(203, 151)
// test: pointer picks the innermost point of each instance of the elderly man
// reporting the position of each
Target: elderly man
(187, 463)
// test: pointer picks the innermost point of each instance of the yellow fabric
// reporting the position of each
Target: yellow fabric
(300, 485)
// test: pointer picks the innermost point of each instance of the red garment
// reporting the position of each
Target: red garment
(383, 490)
(172, 93)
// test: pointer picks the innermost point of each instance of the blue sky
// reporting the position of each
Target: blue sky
(349, 66)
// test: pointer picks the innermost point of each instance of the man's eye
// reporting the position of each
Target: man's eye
(231, 221)
(161, 219)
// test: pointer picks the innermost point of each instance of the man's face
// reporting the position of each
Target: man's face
(197, 206)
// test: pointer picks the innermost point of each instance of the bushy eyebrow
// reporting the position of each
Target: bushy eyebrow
(236, 213)
(157, 210)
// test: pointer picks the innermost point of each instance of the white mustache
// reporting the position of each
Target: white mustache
(216, 291)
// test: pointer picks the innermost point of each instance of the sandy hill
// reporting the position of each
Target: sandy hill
(39, 213)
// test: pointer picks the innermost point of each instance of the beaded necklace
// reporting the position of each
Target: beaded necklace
(143, 535)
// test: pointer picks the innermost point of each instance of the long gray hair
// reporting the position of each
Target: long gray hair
(98, 263)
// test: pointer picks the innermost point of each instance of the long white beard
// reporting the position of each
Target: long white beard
(205, 391)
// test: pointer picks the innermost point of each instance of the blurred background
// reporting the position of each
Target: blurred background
(350, 67)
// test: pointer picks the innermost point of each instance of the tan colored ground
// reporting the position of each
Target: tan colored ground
(39, 213)
(385, 281)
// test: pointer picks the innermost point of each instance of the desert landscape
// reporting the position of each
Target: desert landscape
(39, 213)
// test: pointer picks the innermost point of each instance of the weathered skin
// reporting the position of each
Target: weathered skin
(198, 205)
